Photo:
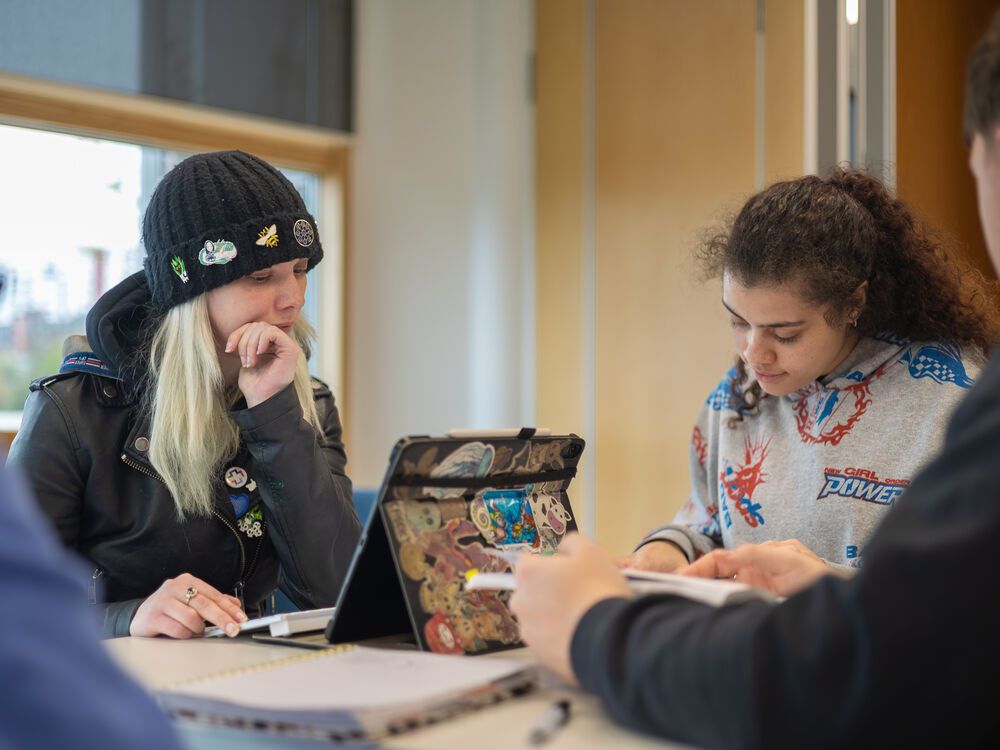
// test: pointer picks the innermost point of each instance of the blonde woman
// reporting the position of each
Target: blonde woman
(184, 449)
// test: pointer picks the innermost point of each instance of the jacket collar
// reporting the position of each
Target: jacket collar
(117, 327)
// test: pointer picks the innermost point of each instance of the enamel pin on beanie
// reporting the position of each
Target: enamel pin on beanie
(217, 217)
(268, 236)
(177, 264)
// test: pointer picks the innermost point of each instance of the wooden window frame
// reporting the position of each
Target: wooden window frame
(152, 121)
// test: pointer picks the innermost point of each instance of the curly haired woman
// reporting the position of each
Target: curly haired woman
(857, 333)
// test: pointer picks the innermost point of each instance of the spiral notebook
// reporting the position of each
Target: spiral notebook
(348, 693)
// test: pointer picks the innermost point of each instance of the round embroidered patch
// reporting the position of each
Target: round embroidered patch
(303, 232)
(236, 477)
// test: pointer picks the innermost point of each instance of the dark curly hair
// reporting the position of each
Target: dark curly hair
(828, 236)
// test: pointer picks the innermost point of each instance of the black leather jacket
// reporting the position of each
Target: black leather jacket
(83, 444)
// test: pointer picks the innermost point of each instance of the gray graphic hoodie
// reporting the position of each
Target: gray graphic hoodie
(824, 464)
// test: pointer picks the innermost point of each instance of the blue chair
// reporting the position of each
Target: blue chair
(364, 504)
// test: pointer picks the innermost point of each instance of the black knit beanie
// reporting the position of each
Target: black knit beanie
(217, 217)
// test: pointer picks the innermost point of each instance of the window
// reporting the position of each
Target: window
(151, 135)
(72, 210)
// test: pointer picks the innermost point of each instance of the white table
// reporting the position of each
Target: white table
(160, 662)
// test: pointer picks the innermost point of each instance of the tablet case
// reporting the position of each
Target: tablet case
(443, 505)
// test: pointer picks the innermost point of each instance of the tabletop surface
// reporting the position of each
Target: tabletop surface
(160, 662)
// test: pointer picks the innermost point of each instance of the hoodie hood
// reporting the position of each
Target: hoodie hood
(867, 360)
(115, 326)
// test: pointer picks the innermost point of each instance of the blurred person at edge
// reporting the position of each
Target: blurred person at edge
(61, 681)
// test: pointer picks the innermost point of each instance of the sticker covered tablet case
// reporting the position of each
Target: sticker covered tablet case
(445, 507)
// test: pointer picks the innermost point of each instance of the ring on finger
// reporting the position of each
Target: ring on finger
(190, 594)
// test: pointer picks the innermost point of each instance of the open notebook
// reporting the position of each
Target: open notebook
(348, 692)
(717, 593)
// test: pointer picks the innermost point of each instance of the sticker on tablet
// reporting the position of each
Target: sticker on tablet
(511, 521)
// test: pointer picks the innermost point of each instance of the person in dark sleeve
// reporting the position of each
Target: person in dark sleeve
(902, 655)
(183, 449)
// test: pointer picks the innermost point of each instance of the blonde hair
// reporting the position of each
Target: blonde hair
(191, 433)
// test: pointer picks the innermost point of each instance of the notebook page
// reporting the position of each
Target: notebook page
(715, 592)
(706, 590)
(357, 679)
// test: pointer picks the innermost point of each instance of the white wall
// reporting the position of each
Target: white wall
(440, 312)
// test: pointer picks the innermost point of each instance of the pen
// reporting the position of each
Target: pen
(474, 580)
(508, 555)
(512, 556)
(554, 717)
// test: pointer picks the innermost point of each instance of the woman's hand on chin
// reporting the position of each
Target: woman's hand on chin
(268, 356)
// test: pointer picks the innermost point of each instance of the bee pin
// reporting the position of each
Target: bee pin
(268, 236)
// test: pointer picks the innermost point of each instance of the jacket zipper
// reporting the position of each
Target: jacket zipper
(95, 578)
(256, 554)
(238, 588)
(140, 468)
(243, 554)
